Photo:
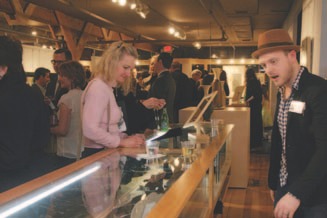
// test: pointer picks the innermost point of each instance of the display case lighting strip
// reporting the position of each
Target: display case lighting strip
(17, 205)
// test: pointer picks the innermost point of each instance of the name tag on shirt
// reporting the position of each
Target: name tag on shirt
(297, 107)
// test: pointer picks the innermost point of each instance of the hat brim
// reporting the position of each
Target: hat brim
(262, 51)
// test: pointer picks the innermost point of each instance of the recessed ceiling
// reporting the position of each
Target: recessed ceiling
(222, 23)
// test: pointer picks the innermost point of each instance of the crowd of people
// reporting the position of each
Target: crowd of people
(117, 107)
(114, 109)
(71, 116)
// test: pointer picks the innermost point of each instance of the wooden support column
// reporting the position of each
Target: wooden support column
(29, 9)
(105, 33)
(75, 42)
(19, 17)
(53, 35)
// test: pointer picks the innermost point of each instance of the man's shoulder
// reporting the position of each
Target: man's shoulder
(311, 80)
(34, 86)
(164, 76)
(25, 93)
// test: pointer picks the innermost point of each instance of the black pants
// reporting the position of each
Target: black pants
(89, 151)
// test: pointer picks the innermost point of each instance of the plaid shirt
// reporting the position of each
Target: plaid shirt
(283, 109)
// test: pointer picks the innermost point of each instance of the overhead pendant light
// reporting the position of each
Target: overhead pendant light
(171, 30)
(142, 10)
(177, 32)
(133, 6)
(122, 2)
(197, 45)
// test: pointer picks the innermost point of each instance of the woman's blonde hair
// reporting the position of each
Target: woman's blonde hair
(106, 67)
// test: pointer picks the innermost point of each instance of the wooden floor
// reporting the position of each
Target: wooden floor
(254, 201)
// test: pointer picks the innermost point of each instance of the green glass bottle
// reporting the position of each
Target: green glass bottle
(164, 120)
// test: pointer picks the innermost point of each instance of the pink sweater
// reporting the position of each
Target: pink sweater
(95, 100)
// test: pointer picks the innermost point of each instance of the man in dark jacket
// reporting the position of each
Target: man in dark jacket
(24, 124)
(54, 90)
(297, 173)
(164, 86)
(41, 79)
(184, 89)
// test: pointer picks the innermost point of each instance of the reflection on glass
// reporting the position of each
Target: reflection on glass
(31, 198)
(99, 189)
(119, 185)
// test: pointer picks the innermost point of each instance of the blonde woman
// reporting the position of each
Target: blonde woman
(102, 119)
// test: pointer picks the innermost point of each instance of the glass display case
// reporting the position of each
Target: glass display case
(130, 183)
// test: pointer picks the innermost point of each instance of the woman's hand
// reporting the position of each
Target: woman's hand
(134, 141)
(154, 103)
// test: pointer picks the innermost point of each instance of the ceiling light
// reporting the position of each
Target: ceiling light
(133, 6)
(142, 14)
(142, 9)
(197, 45)
(114, 1)
(213, 56)
(177, 32)
(171, 30)
(34, 33)
(122, 2)
(183, 37)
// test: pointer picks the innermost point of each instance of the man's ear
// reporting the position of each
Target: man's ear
(292, 54)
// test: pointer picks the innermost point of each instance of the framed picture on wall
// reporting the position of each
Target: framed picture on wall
(307, 52)
(198, 66)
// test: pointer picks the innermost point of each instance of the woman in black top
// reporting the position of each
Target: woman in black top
(254, 99)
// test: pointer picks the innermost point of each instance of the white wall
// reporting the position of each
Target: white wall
(314, 27)
(235, 76)
(323, 41)
(34, 57)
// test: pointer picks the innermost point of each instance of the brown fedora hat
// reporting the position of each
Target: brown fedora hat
(276, 39)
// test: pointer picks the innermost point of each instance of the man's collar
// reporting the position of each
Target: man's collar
(164, 70)
(295, 84)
